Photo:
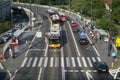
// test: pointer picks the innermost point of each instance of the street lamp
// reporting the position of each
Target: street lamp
(30, 17)
(91, 14)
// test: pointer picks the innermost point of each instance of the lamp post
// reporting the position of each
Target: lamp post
(30, 17)
(11, 21)
(91, 14)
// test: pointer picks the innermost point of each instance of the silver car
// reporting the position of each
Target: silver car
(6, 37)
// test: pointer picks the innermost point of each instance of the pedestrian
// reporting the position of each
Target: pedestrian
(10, 52)
(26, 42)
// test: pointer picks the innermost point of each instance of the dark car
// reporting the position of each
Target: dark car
(6, 37)
(83, 41)
(1, 41)
(76, 30)
(101, 66)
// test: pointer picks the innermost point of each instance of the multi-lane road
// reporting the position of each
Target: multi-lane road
(71, 62)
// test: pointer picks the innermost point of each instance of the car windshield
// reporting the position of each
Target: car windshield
(54, 41)
(102, 65)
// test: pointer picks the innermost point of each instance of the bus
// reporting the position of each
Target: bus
(55, 27)
(54, 39)
(50, 12)
(55, 17)
(62, 16)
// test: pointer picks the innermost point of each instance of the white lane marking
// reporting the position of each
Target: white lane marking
(46, 59)
(36, 49)
(84, 63)
(29, 62)
(62, 62)
(40, 62)
(67, 62)
(9, 73)
(56, 62)
(23, 63)
(89, 61)
(73, 62)
(40, 71)
(1, 66)
(79, 63)
(93, 59)
(35, 61)
(98, 58)
(51, 62)
(74, 39)
(46, 50)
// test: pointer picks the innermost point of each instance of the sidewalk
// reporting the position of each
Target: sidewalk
(102, 48)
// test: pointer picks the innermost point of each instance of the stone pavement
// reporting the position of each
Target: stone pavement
(102, 48)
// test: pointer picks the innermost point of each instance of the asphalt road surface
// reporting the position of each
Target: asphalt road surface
(71, 62)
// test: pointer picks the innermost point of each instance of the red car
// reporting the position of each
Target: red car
(73, 24)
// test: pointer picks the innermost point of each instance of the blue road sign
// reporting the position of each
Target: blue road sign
(113, 53)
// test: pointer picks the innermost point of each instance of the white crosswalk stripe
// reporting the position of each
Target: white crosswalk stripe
(35, 61)
(93, 59)
(98, 58)
(73, 62)
(59, 62)
(56, 62)
(29, 62)
(23, 64)
(40, 62)
(51, 62)
(79, 62)
(67, 62)
(45, 64)
(84, 62)
(89, 62)
(62, 62)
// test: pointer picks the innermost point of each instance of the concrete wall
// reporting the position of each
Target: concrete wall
(4, 9)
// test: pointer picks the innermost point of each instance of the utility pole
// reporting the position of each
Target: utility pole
(91, 14)
(12, 45)
(30, 17)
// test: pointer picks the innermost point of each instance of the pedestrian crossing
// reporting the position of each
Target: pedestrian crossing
(59, 61)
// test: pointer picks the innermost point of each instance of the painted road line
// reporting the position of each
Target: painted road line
(67, 62)
(40, 62)
(93, 59)
(35, 61)
(62, 62)
(98, 58)
(51, 62)
(56, 62)
(73, 62)
(79, 63)
(29, 62)
(89, 61)
(1, 66)
(74, 38)
(46, 60)
(24, 61)
(84, 63)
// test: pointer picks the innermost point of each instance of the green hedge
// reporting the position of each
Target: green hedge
(4, 26)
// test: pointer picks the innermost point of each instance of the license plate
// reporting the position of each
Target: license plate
(103, 70)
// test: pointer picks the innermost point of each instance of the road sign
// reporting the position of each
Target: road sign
(113, 53)
(39, 34)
